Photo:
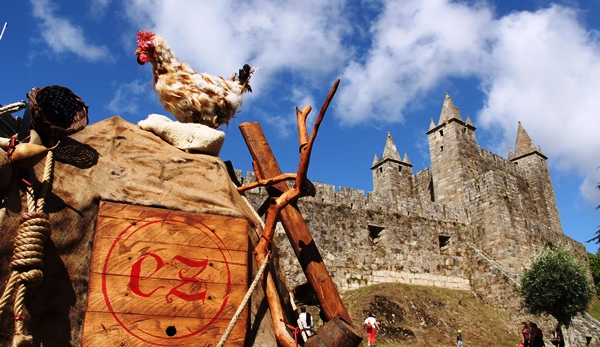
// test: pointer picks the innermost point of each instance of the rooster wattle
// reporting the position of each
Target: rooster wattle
(190, 96)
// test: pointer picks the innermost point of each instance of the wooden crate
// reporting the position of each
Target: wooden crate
(165, 278)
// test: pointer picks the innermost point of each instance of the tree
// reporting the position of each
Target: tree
(595, 266)
(556, 284)
(597, 237)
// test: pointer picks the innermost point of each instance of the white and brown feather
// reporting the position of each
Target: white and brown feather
(190, 96)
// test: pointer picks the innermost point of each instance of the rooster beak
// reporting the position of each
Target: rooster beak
(138, 51)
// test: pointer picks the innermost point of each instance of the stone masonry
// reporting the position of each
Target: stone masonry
(469, 222)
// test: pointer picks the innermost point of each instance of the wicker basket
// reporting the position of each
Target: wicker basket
(56, 112)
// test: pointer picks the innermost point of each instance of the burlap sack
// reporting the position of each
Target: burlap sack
(111, 160)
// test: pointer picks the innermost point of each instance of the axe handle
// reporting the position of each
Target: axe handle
(297, 232)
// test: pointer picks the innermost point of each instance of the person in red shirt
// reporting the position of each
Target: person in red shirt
(525, 338)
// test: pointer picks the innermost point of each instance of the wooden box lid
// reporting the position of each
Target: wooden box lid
(165, 278)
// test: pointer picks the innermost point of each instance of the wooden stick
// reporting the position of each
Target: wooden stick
(267, 171)
(306, 150)
(302, 242)
(266, 182)
(281, 334)
(301, 117)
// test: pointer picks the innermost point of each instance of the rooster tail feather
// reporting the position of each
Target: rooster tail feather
(244, 75)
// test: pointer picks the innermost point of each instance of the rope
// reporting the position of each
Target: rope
(27, 261)
(238, 313)
(295, 330)
(11, 108)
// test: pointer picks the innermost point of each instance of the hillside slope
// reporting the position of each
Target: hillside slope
(430, 316)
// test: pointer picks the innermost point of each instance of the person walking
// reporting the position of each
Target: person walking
(307, 321)
(459, 339)
(372, 326)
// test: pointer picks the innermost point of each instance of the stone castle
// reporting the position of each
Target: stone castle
(469, 222)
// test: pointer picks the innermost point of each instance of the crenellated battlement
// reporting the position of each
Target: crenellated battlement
(468, 222)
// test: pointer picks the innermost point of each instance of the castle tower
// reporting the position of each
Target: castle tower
(392, 175)
(453, 150)
(535, 166)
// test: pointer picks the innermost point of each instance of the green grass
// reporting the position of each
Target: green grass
(432, 314)
(396, 344)
(594, 308)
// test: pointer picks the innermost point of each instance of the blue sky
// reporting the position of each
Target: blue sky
(501, 62)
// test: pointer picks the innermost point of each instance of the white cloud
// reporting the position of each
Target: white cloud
(541, 68)
(63, 36)
(220, 36)
(589, 188)
(127, 97)
(545, 72)
(98, 7)
(416, 44)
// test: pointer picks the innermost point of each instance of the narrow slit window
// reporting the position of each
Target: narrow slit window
(444, 242)
(375, 233)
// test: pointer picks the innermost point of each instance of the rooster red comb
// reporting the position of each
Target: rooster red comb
(144, 38)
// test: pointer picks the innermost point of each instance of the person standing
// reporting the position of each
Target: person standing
(537, 337)
(559, 336)
(307, 321)
(525, 338)
(459, 339)
(372, 326)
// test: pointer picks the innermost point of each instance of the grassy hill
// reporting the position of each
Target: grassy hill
(429, 316)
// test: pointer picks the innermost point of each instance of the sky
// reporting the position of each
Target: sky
(501, 62)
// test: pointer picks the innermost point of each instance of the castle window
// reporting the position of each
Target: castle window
(441, 132)
(464, 130)
(431, 193)
(441, 148)
(380, 169)
(444, 242)
(374, 233)
(399, 168)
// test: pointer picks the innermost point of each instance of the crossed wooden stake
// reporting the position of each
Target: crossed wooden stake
(281, 208)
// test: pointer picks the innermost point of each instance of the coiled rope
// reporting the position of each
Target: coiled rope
(27, 261)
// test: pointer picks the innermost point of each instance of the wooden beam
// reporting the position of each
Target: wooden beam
(297, 232)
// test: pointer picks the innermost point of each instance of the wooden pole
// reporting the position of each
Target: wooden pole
(302, 242)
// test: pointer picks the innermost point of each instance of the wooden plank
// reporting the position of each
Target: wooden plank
(165, 278)
(113, 214)
(164, 299)
(103, 330)
(173, 235)
(126, 254)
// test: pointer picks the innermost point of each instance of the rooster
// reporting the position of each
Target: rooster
(190, 96)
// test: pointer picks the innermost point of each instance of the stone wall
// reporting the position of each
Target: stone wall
(470, 222)
(481, 246)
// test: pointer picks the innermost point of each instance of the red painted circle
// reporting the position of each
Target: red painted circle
(122, 277)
